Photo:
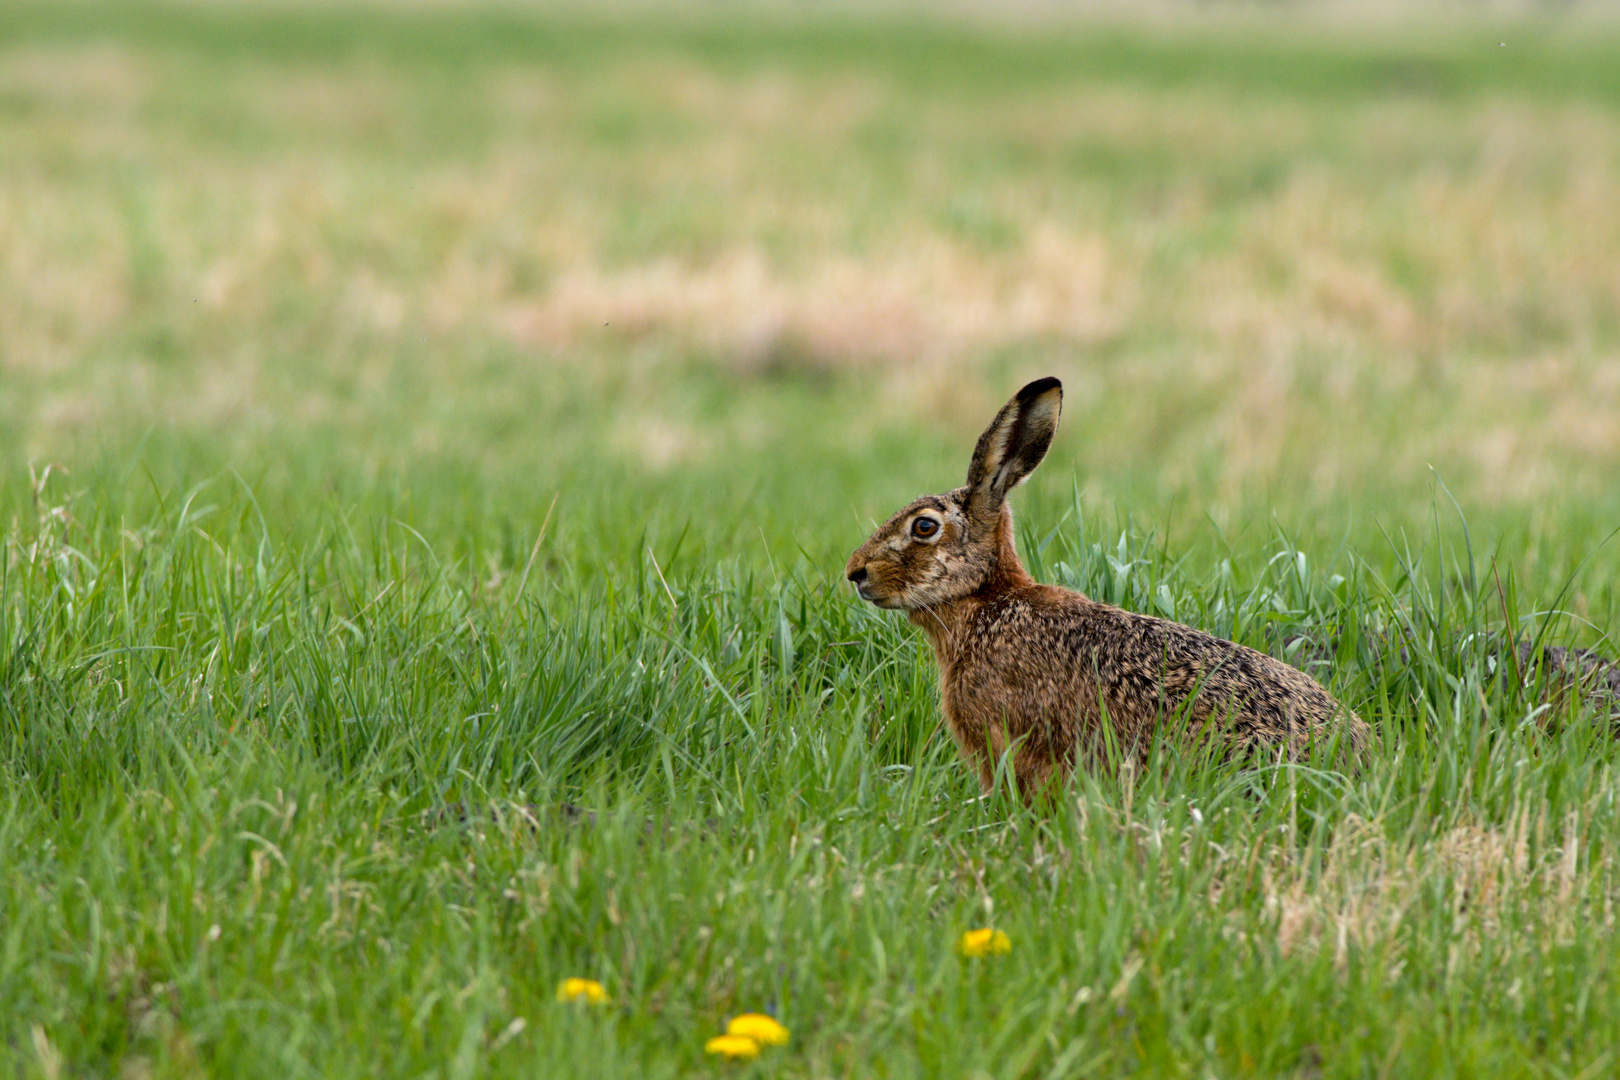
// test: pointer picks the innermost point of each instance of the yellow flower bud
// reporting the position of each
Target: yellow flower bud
(759, 1027)
(587, 990)
(985, 942)
(732, 1046)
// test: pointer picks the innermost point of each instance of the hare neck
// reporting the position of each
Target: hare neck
(1006, 572)
(944, 623)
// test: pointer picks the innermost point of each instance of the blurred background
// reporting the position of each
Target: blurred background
(752, 274)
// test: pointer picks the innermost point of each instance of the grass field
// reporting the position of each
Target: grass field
(431, 436)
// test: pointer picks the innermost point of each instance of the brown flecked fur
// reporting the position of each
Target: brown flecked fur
(1052, 672)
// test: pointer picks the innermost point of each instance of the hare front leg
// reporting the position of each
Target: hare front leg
(986, 747)
(981, 748)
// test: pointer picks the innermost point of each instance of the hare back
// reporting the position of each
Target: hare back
(1060, 672)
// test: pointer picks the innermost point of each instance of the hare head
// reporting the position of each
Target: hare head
(941, 548)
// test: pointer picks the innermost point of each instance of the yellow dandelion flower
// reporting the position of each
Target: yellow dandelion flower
(759, 1027)
(732, 1046)
(587, 990)
(985, 942)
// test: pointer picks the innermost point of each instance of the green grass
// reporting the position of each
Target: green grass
(280, 809)
(389, 641)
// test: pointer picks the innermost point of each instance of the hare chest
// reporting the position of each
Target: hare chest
(1012, 676)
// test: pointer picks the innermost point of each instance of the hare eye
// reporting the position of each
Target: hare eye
(924, 527)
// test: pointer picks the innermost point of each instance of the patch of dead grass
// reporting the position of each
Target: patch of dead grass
(930, 302)
(1527, 874)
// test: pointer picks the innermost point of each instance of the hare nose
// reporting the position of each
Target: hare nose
(858, 574)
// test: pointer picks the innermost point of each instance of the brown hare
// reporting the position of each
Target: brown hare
(1045, 670)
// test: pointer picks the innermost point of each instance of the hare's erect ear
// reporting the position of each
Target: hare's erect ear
(1014, 443)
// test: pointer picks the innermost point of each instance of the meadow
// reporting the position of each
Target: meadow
(430, 440)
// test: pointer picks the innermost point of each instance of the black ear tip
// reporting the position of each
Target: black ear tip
(1033, 390)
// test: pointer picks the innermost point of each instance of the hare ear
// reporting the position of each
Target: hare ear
(1014, 443)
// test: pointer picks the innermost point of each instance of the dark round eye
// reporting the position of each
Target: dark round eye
(924, 527)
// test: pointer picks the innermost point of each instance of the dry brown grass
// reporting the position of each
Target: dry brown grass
(1528, 885)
